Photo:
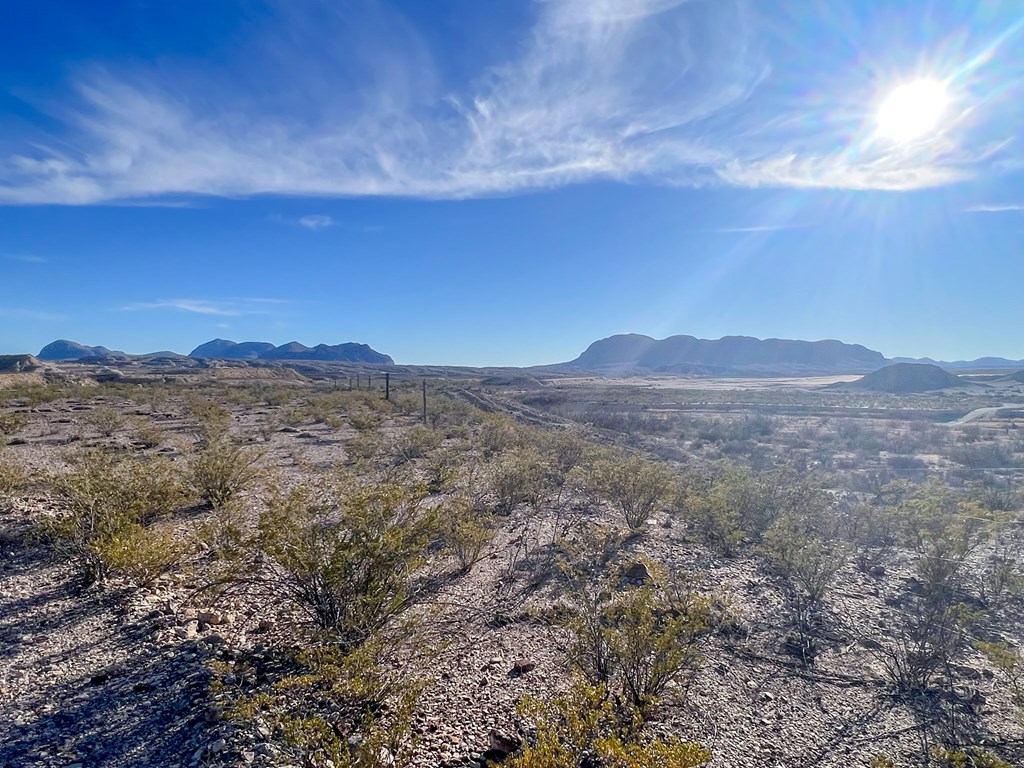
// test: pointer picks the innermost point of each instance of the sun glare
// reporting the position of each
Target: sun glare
(912, 110)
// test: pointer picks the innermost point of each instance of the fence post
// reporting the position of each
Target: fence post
(387, 386)
(424, 401)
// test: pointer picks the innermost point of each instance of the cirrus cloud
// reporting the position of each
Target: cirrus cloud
(353, 103)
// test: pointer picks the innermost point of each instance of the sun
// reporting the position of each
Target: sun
(912, 110)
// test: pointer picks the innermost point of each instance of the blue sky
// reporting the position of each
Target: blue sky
(504, 182)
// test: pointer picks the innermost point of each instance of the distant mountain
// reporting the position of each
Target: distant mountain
(247, 350)
(981, 364)
(731, 355)
(62, 349)
(349, 352)
(1015, 376)
(906, 378)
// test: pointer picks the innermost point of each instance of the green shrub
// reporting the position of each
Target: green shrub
(519, 477)
(635, 486)
(210, 420)
(105, 420)
(141, 554)
(582, 728)
(638, 641)
(147, 434)
(13, 477)
(339, 707)
(466, 530)
(108, 503)
(415, 443)
(221, 470)
(344, 557)
(10, 423)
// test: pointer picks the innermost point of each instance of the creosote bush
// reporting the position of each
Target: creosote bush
(220, 470)
(13, 477)
(582, 728)
(637, 641)
(340, 707)
(106, 420)
(635, 486)
(466, 530)
(343, 557)
(110, 503)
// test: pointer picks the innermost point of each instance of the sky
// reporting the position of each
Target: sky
(502, 183)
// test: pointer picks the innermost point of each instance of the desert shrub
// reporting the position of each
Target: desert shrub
(519, 477)
(10, 423)
(466, 531)
(365, 419)
(969, 757)
(805, 554)
(944, 530)
(497, 433)
(722, 508)
(106, 420)
(637, 487)
(220, 470)
(1010, 664)
(332, 706)
(109, 503)
(343, 557)
(210, 420)
(415, 443)
(581, 728)
(13, 477)
(443, 468)
(873, 532)
(638, 641)
(146, 433)
(141, 554)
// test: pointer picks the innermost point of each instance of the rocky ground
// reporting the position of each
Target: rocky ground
(118, 676)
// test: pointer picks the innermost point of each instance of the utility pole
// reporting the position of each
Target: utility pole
(424, 401)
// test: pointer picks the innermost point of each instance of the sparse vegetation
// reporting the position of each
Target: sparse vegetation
(220, 470)
(872, 547)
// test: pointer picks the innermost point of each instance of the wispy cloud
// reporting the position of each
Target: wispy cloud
(26, 258)
(661, 91)
(316, 221)
(995, 208)
(234, 307)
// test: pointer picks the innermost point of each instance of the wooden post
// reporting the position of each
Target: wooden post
(369, 382)
(424, 401)
(387, 386)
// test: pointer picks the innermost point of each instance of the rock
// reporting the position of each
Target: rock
(218, 745)
(522, 666)
(210, 617)
(637, 572)
(188, 631)
(502, 742)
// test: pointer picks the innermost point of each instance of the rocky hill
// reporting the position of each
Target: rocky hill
(730, 355)
(906, 378)
(62, 349)
(20, 364)
(349, 352)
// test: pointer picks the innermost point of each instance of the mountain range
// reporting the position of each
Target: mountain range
(728, 356)
(619, 355)
(350, 352)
